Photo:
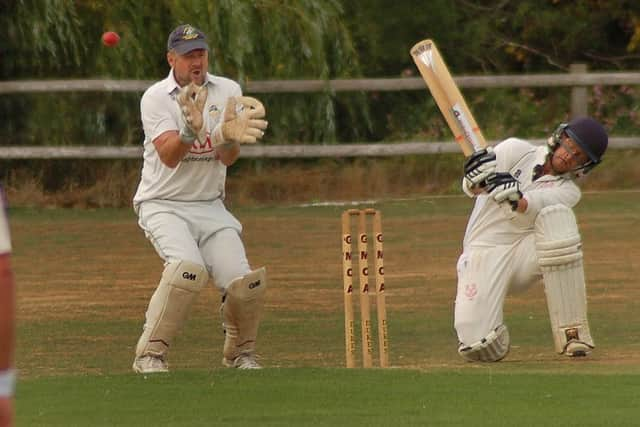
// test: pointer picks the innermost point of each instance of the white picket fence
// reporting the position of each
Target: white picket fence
(271, 151)
(577, 79)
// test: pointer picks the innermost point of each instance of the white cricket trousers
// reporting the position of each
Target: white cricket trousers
(485, 276)
(203, 232)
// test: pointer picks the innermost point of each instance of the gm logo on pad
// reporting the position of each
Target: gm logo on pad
(189, 276)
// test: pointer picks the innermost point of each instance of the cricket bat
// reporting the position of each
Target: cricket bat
(448, 97)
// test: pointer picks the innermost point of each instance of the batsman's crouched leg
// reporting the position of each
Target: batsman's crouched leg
(242, 306)
(492, 348)
(180, 284)
(559, 250)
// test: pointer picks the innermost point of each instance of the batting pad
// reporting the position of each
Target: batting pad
(493, 348)
(241, 312)
(181, 282)
(559, 250)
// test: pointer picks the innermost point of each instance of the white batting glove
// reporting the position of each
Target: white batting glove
(479, 166)
(241, 122)
(467, 187)
(191, 100)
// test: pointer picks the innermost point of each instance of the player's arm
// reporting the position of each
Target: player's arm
(228, 153)
(567, 193)
(522, 205)
(160, 125)
(170, 148)
(171, 138)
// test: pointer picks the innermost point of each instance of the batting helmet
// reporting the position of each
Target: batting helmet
(589, 135)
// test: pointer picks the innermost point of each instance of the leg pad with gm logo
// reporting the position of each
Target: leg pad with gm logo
(241, 312)
(180, 284)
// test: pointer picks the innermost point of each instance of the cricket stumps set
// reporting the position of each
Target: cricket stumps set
(468, 135)
(362, 248)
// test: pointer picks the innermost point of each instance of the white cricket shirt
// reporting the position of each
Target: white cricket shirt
(5, 237)
(199, 176)
(491, 224)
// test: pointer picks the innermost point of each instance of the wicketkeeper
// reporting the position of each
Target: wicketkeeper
(194, 123)
(522, 229)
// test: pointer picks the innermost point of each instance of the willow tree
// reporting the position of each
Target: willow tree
(286, 39)
(249, 40)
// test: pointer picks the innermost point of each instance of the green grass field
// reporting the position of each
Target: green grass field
(333, 397)
(85, 278)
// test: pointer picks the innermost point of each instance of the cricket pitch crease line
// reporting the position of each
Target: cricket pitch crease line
(431, 197)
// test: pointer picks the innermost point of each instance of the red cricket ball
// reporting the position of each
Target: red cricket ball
(110, 38)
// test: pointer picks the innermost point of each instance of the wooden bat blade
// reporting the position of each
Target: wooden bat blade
(450, 101)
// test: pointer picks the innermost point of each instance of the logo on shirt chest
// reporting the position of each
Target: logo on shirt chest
(202, 148)
(205, 147)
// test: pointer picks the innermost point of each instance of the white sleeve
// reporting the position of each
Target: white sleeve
(157, 116)
(5, 237)
(237, 90)
(510, 152)
(234, 88)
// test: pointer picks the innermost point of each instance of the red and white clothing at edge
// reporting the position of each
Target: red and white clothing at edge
(5, 237)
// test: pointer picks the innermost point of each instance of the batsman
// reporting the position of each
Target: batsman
(523, 229)
(194, 123)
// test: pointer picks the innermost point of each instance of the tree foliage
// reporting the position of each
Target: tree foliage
(310, 39)
(498, 36)
(249, 40)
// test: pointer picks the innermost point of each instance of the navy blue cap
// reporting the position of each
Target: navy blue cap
(186, 38)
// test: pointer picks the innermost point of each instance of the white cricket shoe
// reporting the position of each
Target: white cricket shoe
(243, 361)
(150, 365)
